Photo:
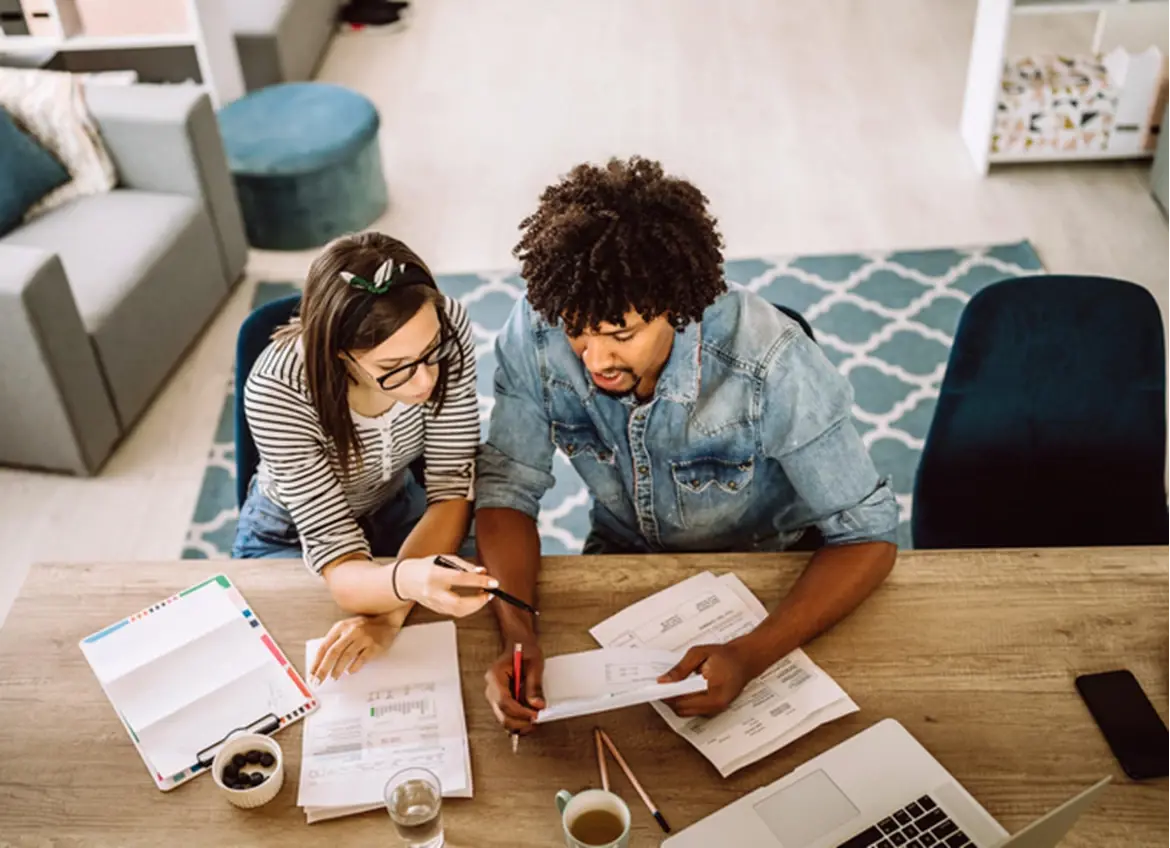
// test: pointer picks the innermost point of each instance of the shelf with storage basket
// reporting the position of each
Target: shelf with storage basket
(40, 26)
(1048, 108)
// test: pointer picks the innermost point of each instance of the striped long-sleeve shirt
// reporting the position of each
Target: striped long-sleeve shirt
(299, 468)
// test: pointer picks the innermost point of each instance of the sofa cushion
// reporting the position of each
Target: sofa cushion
(107, 242)
(51, 106)
(27, 172)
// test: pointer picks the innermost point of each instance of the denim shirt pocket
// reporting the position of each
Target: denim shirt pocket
(712, 492)
(593, 459)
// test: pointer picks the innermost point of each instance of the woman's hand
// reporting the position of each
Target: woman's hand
(351, 642)
(436, 587)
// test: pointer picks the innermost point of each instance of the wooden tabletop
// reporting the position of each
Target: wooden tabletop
(974, 652)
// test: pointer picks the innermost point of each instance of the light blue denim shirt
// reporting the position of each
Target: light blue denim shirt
(746, 443)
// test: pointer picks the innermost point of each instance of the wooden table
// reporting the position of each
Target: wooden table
(975, 653)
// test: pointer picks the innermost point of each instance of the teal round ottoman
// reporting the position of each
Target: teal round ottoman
(306, 164)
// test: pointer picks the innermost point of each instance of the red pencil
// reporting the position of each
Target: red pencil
(517, 670)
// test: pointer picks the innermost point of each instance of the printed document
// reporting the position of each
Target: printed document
(607, 679)
(402, 709)
(787, 701)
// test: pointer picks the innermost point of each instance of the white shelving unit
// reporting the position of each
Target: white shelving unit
(209, 34)
(985, 72)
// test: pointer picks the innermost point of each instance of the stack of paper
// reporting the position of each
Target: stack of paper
(404, 709)
(784, 703)
(598, 681)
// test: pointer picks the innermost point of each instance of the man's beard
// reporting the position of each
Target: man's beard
(618, 395)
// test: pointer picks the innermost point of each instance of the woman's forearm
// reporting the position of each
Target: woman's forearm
(441, 530)
(362, 587)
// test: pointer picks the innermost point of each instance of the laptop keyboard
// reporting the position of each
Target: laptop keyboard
(920, 824)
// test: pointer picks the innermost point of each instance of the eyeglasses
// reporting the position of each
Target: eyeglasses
(443, 350)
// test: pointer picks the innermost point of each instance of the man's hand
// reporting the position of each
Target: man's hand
(727, 672)
(351, 642)
(516, 716)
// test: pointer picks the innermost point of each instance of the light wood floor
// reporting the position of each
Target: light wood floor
(813, 126)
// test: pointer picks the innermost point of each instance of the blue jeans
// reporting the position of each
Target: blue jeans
(267, 531)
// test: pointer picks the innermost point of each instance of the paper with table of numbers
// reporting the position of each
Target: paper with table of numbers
(400, 710)
(788, 700)
(591, 682)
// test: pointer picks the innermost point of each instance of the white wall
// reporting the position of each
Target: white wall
(1136, 26)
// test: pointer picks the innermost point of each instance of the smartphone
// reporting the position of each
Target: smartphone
(1132, 727)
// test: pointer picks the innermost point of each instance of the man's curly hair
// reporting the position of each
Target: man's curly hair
(608, 240)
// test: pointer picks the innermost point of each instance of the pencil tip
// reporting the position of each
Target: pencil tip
(661, 819)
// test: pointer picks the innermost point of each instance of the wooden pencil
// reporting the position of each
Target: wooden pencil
(601, 767)
(650, 805)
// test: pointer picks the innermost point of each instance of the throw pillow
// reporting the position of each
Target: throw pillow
(27, 172)
(50, 105)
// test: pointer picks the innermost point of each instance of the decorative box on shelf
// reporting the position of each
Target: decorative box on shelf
(107, 18)
(1074, 107)
(51, 18)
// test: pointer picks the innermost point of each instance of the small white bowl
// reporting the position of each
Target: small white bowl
(256, 796)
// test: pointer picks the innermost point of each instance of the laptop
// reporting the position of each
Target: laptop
(878, 789)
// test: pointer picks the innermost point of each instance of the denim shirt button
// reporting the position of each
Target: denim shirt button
(642, 469)
(731, 484)
(569, 450)
(694, 484)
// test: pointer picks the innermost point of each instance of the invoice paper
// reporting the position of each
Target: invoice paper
(788, 700)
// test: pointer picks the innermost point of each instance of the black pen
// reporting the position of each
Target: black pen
(499, 593)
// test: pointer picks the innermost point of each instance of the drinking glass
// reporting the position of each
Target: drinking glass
(414, 800)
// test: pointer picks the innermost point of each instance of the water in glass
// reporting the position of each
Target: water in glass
(415, 807)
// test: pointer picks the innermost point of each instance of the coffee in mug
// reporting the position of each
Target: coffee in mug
(597, 827)
(594, 819)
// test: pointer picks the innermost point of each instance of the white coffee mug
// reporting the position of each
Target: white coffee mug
(573, 807)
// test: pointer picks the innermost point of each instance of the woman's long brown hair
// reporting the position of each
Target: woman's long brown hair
(336, 318)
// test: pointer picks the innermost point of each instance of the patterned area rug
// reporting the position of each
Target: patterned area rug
(885, 319)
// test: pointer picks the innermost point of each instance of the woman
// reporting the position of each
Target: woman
(377, 371)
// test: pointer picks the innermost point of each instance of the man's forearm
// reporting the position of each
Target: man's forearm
(834, 583)
(441, 530)
(508, 546)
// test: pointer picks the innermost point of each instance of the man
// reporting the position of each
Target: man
(700, 420)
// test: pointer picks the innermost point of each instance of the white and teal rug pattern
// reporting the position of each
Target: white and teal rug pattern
(885, 319)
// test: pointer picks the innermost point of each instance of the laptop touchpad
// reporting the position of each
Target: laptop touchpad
(802, 813)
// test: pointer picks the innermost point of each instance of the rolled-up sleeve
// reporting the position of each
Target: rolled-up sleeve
(453, 434)
(515, 465)
(807, 427)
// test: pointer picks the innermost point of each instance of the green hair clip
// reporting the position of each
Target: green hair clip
(387, 275)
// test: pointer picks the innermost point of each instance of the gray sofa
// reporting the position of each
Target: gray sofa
(281, 40)
(101, 297)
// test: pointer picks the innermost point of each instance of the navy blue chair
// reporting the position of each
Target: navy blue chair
(798, 318)
(255, 334)
(1050, 428)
